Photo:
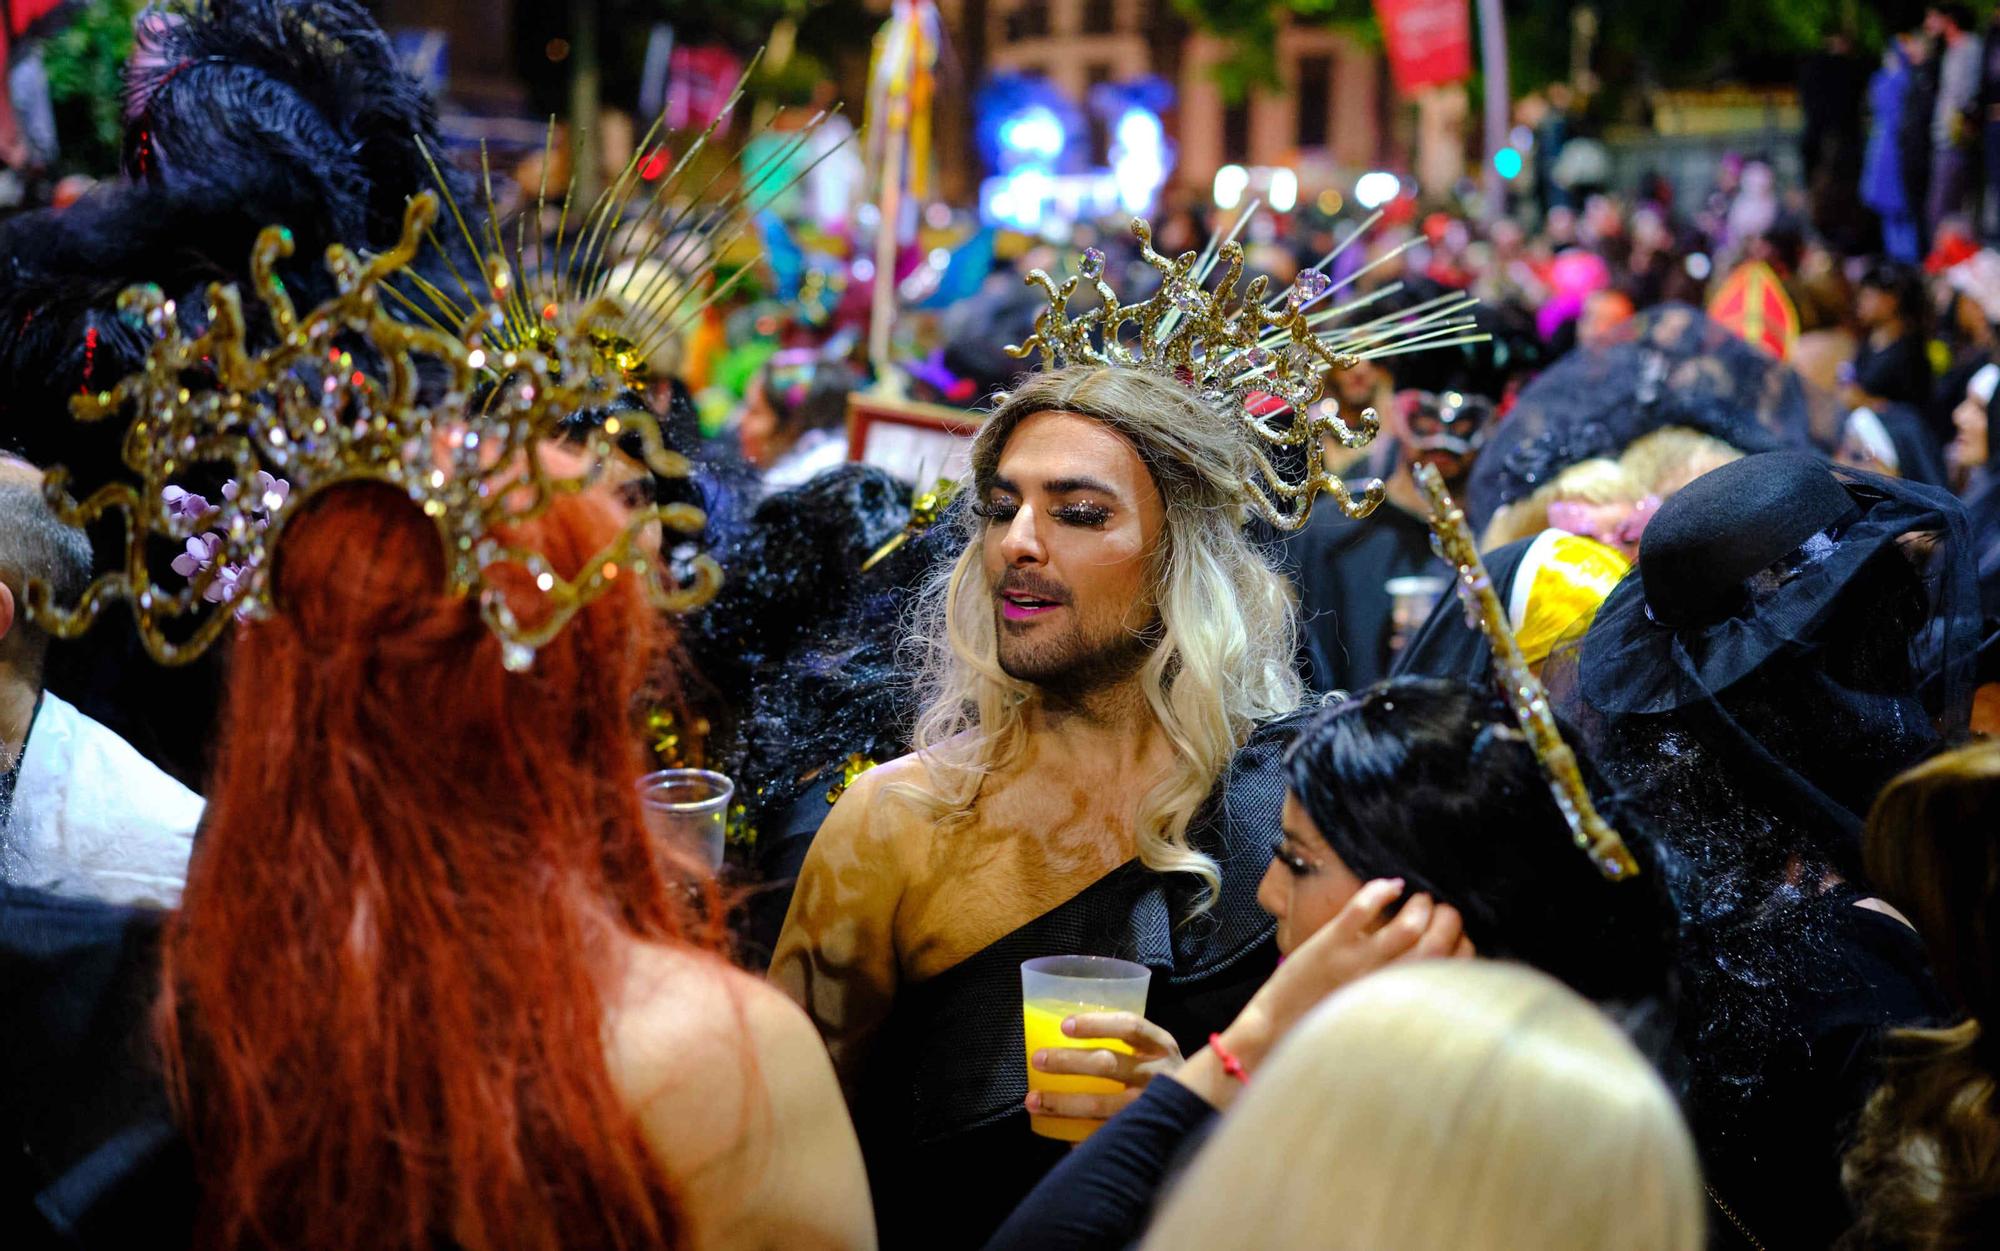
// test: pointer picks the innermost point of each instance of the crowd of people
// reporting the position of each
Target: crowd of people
(1648, 912)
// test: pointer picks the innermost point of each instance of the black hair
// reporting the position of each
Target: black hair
(1905, 284)
(1432, 781)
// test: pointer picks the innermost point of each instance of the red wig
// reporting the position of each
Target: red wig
(385, 992)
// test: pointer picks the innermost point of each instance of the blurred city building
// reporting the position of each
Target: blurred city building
(1329, 110)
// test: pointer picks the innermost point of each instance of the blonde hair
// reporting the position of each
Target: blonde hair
(1595, 481)
(1465, 1104)
(1226, 637)
(1671, 457)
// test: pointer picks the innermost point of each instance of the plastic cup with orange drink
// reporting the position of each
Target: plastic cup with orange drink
(1054, 988)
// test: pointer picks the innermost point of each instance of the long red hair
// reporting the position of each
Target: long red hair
(384, 1004)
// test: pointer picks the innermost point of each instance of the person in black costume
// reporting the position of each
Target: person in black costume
(1047, 810)
(1343, 567)
(1794, 636)
(1892, 365)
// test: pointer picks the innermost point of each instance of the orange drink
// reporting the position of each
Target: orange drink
(1043, 1019)
(1054, 988)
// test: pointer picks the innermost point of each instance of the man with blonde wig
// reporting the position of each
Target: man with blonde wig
(1109, 666)
(1109, 673)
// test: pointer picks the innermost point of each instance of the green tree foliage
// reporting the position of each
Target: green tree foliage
(1252, 28)
(85, 61)
(826, 28)
(1693, 42)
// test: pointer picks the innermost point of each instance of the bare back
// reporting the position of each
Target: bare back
(738, 1104)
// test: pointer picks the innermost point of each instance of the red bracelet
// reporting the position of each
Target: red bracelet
(1230, 1064)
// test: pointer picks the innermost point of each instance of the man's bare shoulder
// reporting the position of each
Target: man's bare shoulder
(885, 803)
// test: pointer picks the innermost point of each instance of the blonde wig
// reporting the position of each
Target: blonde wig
(1595, 481)
(1453, 1103)
(1224, 636)
(1671, 457)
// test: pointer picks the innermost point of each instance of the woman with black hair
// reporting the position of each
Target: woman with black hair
(1431, 782)
(1893, 364)
(1417, 823)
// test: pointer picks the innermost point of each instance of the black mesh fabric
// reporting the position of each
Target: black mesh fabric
(941, 1110)
(1679, 369)
(796, 664)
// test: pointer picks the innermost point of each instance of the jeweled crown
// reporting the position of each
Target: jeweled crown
(461, 423)
(1255, 358)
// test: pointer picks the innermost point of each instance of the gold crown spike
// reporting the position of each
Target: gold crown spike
(1524, 690)
(1256, 358)
(338, 399)
(651, 241)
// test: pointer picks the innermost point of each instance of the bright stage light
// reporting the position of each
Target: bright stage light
(1034, 132)
(1138, 159)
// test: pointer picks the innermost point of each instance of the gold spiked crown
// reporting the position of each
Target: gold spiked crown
(1257, 359)
(347, 394)
(653, 241)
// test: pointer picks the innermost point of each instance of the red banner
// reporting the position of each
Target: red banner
(1430, 42)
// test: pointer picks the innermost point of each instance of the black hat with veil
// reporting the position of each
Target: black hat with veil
(1811, 630)
(1794, 636)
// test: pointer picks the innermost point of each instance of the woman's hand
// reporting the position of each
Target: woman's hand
(1355, 943)
(1154, 1053)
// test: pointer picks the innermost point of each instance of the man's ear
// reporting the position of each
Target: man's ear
(7, 608)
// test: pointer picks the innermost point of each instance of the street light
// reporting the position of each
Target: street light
(1376, 188)
(1231, 181)
(1283, 195)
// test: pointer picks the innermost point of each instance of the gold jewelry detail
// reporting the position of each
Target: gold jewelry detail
(851, 770)
(1523, 689)
(338, 399)
(926, 507)
(652, 241)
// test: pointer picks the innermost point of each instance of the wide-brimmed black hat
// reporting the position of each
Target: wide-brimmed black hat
(1755, 560)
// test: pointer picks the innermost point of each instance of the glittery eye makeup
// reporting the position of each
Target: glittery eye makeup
(1295, 864)
(1087, 516)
